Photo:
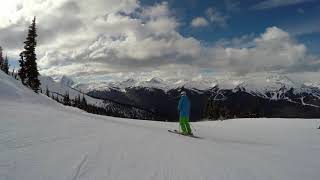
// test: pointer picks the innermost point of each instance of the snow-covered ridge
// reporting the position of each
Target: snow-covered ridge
(66, 81)
(257, 84)
(312, 84)
(62, 86)
(267, 86)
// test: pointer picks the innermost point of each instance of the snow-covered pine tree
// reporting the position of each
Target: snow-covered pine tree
(66, 99)
(84, 103)
(1, 58)
(77, 101)
(47, 92)
(29, 53)
(22, 71)
(13, 72)
(5, 66)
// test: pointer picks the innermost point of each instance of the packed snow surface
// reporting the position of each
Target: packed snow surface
(40, 139)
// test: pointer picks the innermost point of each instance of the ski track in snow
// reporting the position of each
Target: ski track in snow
(41, 139)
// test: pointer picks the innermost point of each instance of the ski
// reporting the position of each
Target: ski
(180, 133)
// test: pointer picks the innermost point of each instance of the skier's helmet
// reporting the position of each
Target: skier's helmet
(183, 93)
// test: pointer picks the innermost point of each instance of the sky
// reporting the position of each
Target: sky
(110, 40)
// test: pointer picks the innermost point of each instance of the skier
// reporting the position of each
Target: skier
(184, 111)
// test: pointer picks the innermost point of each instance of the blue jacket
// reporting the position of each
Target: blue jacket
(184, 106)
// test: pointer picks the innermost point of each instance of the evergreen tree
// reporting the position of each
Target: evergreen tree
(77, 101)
(66, 99)
(22, 71)
(5, 66)
(84, 104)
(57, 99)
(214, 111)
(1, 59)
(29, 53)
(223, 113)
(47, 92)
(12, 73)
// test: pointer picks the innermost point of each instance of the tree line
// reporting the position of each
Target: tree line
(28, 72)
(112, 109)
(4, 64)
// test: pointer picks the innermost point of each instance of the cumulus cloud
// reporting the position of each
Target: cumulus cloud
(216, 17)
(272, 50)
(199, 22)
(238, 42)
(141, 39)
(122, 38)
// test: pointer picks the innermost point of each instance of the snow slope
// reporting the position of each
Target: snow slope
(41, 139)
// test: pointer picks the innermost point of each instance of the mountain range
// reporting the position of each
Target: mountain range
(262, 95)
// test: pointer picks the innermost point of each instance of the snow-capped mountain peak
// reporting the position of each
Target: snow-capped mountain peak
(312, 84)
(156, 80)
(67, 81)
(266, 85)
(129, 81)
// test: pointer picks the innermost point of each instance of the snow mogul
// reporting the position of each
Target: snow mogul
(184, 111)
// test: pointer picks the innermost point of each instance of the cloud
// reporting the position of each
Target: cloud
(300, 11)
(307, 26)
(122, 38)
(232, 5)
(273, 50)
(268, 4)
(156, 11)
(12, 36)
(244, 41)
(139, 40)
(216, 17)
(199, 22)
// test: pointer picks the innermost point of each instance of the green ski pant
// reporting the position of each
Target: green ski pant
(185, 126)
